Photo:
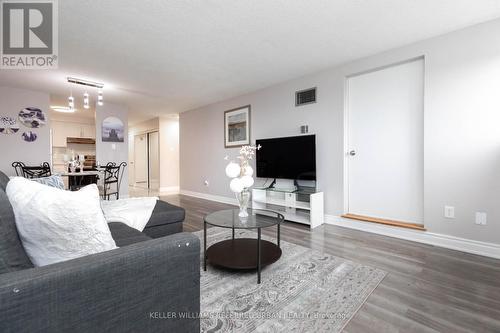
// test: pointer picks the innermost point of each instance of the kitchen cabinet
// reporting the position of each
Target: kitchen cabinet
(88, 131)
(62, 130)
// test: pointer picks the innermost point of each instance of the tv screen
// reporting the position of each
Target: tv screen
(289, 158)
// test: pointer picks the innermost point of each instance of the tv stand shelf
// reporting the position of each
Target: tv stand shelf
(299, 206)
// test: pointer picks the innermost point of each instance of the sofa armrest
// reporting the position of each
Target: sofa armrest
(152, 286)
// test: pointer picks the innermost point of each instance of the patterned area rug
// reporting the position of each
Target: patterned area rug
(304, 291)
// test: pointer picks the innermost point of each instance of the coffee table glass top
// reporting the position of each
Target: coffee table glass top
(256, 219)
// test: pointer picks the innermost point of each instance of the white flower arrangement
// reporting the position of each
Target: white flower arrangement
(241, 172)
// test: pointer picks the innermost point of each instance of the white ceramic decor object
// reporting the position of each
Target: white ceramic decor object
(236, 185)
(248, 171)
(247, 181)
(242, 178)
(233, 170)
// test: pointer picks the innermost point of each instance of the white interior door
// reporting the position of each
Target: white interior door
(385, 143)
(154, 161)
(131, 159)
(141, 160)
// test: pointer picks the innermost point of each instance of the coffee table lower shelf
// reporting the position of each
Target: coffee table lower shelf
(241, 253)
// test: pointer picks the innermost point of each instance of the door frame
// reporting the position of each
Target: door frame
(148, 166)
(346, 112)
(148, 134)
(147, 158)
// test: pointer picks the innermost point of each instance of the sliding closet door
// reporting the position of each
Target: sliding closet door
(141, 160)
(385, 143)
(154, 161)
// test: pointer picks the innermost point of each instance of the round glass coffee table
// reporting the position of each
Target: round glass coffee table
(242, 253)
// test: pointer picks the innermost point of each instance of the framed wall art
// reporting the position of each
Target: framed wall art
(237, 127)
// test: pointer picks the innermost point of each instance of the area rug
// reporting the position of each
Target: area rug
(304, 291)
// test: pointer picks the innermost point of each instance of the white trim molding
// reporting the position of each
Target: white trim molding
(169, 190)
(425, 237)
(211, 197)
(450, 242)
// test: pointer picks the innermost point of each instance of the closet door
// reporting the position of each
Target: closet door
(141, 160)
(385, 143)
(154, 161)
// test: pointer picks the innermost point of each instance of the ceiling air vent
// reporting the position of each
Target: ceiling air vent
(306, 96)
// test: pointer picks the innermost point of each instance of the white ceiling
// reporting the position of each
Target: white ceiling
(171, 56)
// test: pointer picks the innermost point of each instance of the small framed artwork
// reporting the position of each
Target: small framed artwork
(112, 130)
(237, 127)
(32, 117)
(8, 125)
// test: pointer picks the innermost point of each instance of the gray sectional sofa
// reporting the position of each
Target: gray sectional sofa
(147, 285)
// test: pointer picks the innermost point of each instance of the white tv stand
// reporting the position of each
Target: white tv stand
(301, 206)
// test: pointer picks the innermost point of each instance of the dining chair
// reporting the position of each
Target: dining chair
(18, 167)
(113, 175)
(23, 170)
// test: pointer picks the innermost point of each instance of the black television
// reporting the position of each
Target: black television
(287, 158)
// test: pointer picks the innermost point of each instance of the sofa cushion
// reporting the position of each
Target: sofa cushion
(12, 254)
(54, 181)
(165, 213)
(4, 179)
(125, 235)
(159, 231)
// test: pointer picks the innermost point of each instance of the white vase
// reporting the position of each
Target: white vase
(243, 200)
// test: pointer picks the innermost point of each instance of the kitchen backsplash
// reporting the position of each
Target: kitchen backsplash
(72, 150)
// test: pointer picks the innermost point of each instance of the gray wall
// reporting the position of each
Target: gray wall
(461, 145)
(12, 146)
(104, 150)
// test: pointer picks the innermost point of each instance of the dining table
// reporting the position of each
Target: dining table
(76, 177)
(81, 173)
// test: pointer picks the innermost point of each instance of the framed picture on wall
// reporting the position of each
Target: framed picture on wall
(237, 127)
(112, 130)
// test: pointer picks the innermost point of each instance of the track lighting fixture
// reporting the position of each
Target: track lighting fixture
(86, 95)
(86, 100)
(71, 102)
(100, 98)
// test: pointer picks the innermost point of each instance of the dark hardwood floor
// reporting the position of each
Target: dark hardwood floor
(427, 288)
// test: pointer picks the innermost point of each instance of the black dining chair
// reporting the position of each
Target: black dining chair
(18, 167)
(113, 175)
(23, 170)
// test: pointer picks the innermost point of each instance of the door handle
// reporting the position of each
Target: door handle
(352, 153)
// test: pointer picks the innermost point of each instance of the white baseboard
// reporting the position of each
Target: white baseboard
(169, 190)
(211, 197)
(425, 237)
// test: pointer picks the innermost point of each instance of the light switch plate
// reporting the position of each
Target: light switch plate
(481, 218)
(449, 212)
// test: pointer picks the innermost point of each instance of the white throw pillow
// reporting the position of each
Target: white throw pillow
(56, 225)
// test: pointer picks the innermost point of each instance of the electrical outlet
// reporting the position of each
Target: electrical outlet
(449, 212)
(206, 182)
(481, 218)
